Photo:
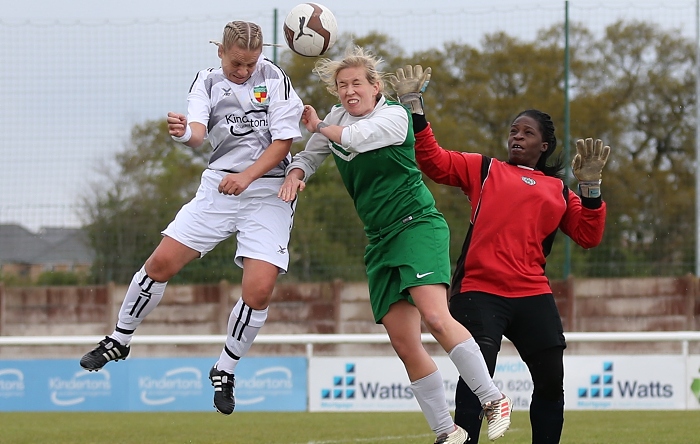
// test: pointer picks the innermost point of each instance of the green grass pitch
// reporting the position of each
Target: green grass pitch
(618, 427)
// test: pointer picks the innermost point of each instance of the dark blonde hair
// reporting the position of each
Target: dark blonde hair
(244, 35)
(355, 57)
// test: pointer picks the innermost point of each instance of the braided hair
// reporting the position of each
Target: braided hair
(556, 168)
(244, 35)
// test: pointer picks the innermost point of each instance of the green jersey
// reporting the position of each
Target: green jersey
(377, 164)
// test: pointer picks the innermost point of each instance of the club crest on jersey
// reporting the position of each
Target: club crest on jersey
(260, 95)
(528, 180)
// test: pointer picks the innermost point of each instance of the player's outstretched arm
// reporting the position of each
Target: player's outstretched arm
(588, 165)
(410, 82)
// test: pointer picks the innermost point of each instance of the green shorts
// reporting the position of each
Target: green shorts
(413, 254)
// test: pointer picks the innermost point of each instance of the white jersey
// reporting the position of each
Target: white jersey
(243, 120)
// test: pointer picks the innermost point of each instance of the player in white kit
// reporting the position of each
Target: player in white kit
(249, 112)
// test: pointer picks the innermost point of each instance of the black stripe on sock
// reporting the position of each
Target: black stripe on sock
(231, 354)
(243, 323)
(145, 302)
(133, 307)
(146, 283)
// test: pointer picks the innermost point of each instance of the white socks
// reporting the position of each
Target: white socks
(430, 394)
(472, 368)
(244, 323)
(141, 298)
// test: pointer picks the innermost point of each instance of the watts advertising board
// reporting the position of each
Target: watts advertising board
(381, 383)
(649, 382)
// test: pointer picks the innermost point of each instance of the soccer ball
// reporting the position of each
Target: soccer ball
(310, 29)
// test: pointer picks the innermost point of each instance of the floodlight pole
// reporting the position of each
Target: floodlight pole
(274, 36)
(697, 138)
(567, 136)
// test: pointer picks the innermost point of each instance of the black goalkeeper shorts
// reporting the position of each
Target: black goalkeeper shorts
(531, 323)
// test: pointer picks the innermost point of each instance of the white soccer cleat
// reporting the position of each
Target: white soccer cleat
(498, 416)
(459, 436)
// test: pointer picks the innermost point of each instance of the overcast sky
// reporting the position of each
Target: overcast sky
(69, 95)
(149, 9)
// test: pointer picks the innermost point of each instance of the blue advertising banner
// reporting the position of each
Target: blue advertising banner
(150, 384)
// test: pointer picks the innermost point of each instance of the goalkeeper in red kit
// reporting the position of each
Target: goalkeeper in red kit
(517, 206)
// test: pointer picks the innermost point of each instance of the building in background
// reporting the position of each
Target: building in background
(27, 255)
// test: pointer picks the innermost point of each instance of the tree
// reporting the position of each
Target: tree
(645, 77)
(55, 278)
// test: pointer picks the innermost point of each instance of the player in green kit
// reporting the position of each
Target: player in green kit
(407, 258)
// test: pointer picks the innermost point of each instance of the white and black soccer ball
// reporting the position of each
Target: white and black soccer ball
(310, 29)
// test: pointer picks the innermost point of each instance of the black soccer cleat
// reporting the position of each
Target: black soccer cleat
(223, 383)
(107, 350)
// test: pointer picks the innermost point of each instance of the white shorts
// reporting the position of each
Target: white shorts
(262, 221)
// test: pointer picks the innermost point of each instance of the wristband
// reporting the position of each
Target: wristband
(185, 137)
(590, 189)
(320, 125)
(413, 101)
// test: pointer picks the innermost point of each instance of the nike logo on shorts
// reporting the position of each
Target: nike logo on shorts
(422, 275)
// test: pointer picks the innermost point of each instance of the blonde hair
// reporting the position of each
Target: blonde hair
(355, 57)
(244, 35)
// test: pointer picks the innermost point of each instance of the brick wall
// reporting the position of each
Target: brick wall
(631, 304)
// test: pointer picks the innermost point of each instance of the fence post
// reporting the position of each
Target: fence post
(224, 306)
(691, 295)
(2, 307)
(571, 303)
(111, 312)
(337, 289)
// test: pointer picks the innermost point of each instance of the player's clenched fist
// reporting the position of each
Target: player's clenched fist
(177, 124)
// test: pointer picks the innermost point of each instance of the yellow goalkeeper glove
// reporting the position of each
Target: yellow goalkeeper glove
(409, 83)
(588, 165)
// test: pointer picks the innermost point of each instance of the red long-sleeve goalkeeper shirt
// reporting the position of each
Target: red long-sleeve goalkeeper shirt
(515, 214)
